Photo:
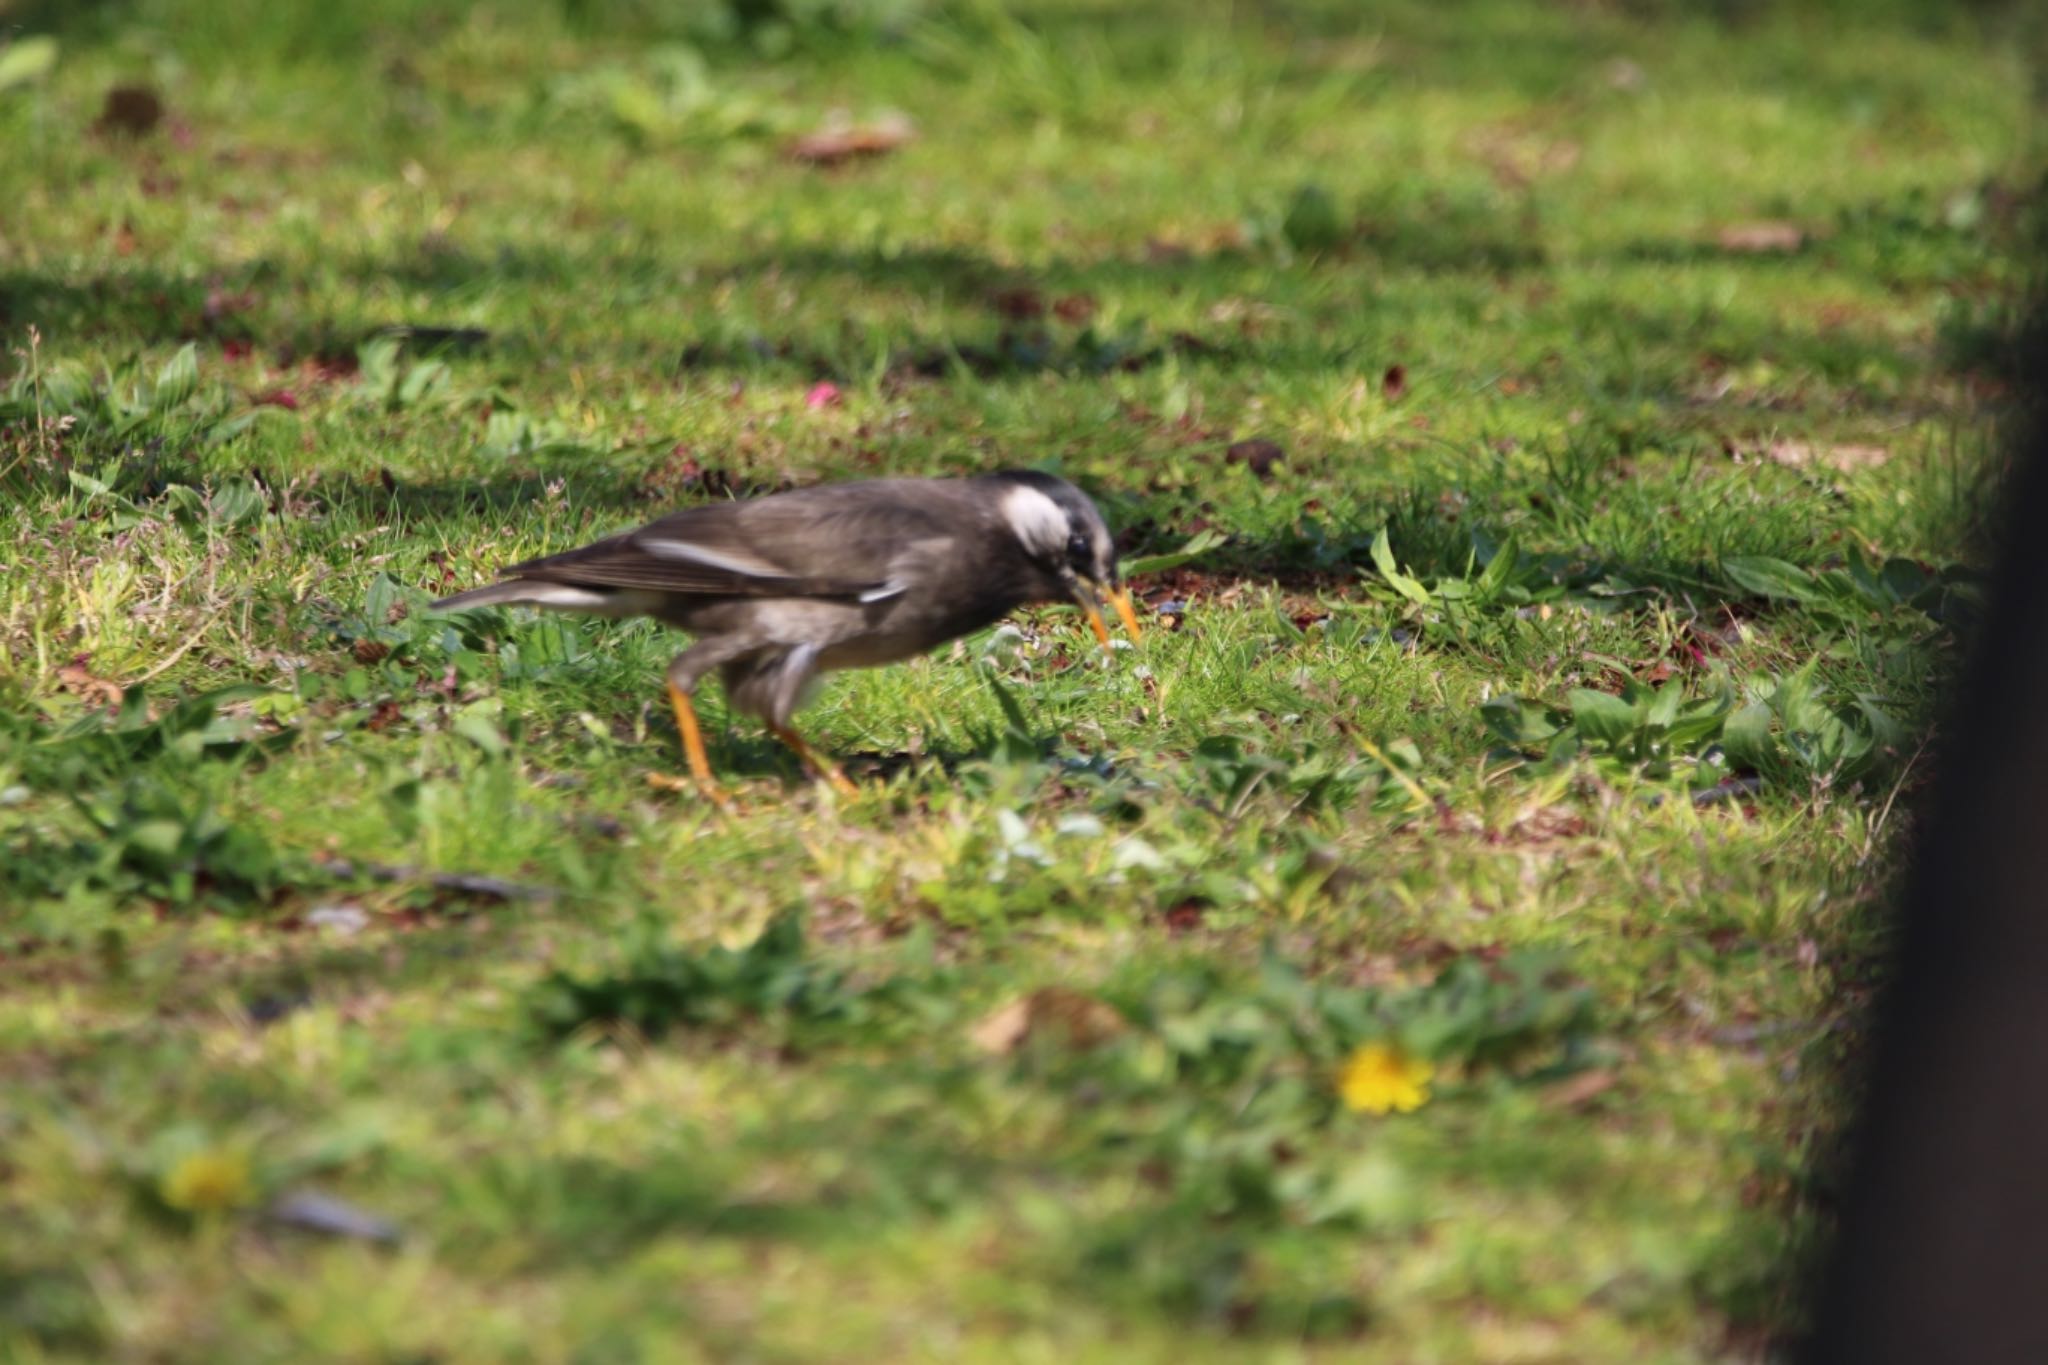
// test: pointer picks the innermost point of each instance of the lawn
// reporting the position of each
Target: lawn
(1554, 442)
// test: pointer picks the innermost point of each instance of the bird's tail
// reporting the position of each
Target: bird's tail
(527, 592)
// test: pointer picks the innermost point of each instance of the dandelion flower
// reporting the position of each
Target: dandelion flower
(1380, 1078)
(207, 1181)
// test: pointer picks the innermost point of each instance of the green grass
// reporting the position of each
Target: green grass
(1031, 1050)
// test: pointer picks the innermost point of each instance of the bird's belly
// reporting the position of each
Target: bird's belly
(909, 628)
(873, 650)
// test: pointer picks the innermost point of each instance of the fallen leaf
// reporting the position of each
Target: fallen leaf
(837, 143)
(1019, 303)
(1394, 382)
(1574, 1091)
(1846, 458)
(344, 920)
(1257, 456)
(78, 679)
(322, 1213)
(132, 110)
(823, 394)
(1057, 1013)
(1546, 822)
(1074, 308)
(1623, 74)
(1004, 1030)
(277, 398)
(1759, 237)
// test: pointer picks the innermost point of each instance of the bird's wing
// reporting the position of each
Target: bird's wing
(836, 541)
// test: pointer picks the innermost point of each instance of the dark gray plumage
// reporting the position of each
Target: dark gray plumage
(781, 589)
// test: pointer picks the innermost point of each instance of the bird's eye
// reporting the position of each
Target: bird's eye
(1077, 550)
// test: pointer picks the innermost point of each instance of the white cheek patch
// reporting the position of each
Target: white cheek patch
(1037, 520)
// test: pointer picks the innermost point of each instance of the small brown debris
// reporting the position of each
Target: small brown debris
(838, 143)
(130, 110)
(1394, 382)
(1846, 458)
(78, 679)
(1257, 456)
(370, 651)
(1074, 308)
(1018, 302)
(1058, 1013)
(1761, 237)
(1574, 1092)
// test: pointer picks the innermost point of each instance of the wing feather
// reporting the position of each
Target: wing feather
(840, 541)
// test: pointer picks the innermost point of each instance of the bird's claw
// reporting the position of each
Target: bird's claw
(710, 791)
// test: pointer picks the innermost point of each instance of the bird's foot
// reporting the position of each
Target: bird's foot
(822, 768)
(710, 791)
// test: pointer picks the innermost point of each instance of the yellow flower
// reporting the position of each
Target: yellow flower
(207, 1181)
(1380, 1077)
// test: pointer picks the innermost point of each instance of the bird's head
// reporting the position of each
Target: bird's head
(1065, 542)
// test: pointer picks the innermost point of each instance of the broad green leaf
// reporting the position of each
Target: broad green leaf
(1663, 708)
(1200, 544)
(1517, 721)
(1767, 577)
(421, 382)
(26, 59)
(1499, 570)
(235, 502)
(177, 381)
(1383, 560)
(477, 726)
(1746, 738)
(1602, 718)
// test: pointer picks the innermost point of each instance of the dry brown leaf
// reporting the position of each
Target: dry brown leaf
(1004, 1029)
(1574, 1091)
(1059, 1013)
(1257, 456)
(1762, 236)
(1394, 382)
(1018, 302)
(1074, 308)
(1846, 458)
(1543, 823)
(130, 110)
(837, 143)
(80, 681)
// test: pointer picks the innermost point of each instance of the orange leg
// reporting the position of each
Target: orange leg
(1095, 624)
(693, 750)
(821, 766)
(1121, 600)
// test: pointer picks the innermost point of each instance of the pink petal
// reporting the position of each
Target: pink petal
(822, 395)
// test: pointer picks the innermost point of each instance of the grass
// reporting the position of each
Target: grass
(1546, 704)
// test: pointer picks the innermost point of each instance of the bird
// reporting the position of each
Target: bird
(779, 590)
